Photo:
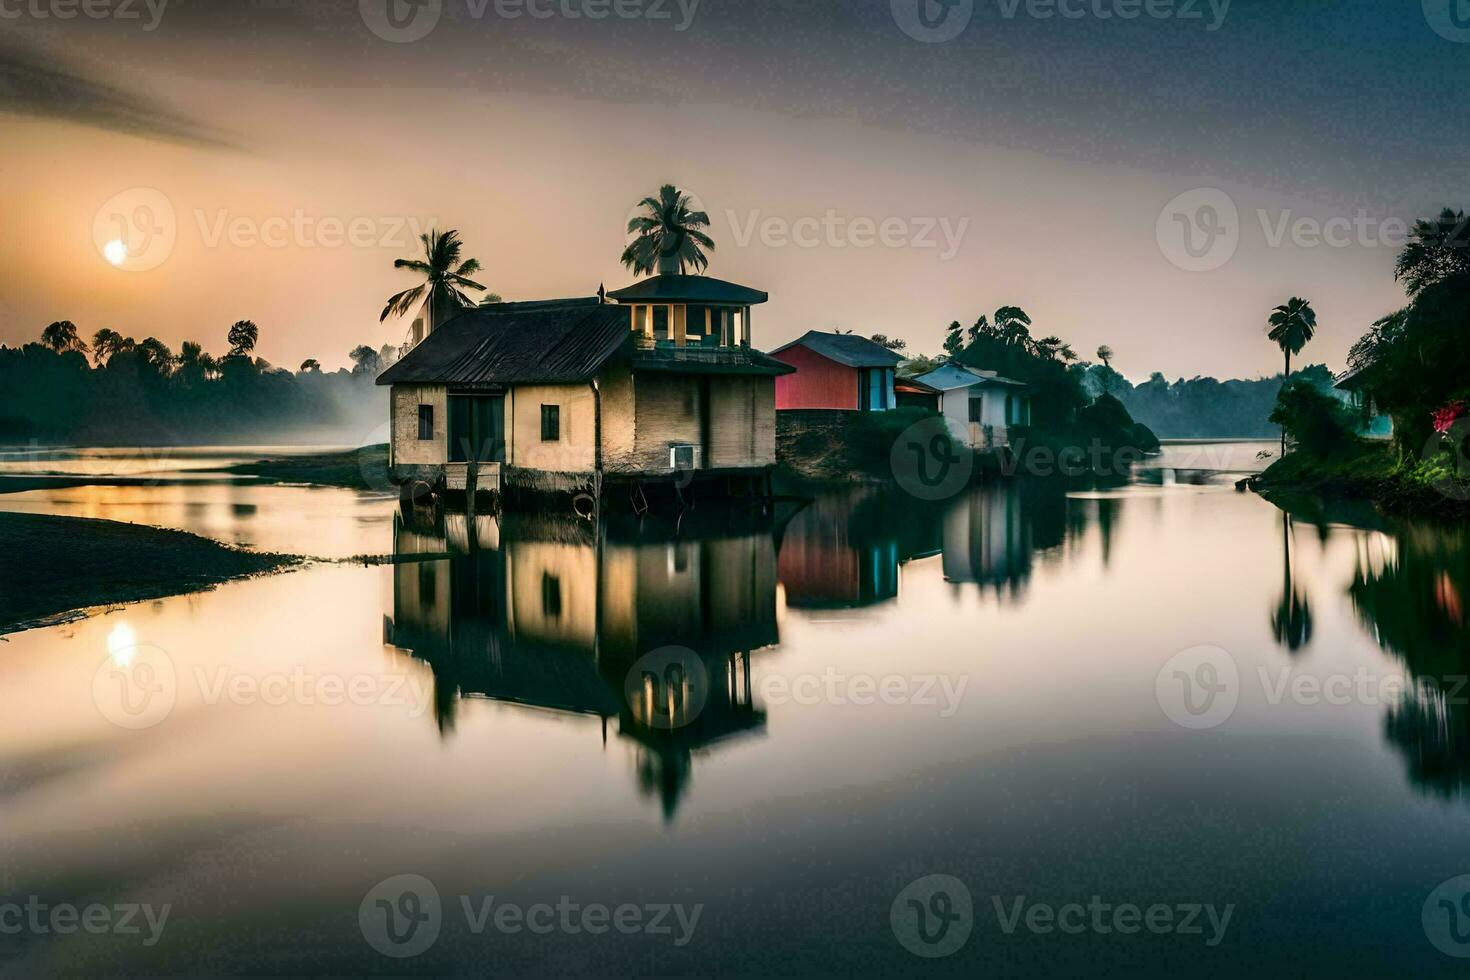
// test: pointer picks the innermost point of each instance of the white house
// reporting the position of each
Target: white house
(980, 406)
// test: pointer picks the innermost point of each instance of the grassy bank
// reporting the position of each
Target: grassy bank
(1371, 471)
(60, 564)
(354, 469)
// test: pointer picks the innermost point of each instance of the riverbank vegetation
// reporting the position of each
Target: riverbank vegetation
(1065, 415)
(64, 564)
(1412, 365)
(119, 391)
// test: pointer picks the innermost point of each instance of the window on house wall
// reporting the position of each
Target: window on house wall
(550, 423)
(660, 316)
(977, 407)
(426, 423)
(550, 596)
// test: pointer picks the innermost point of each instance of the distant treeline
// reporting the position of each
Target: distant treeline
(117, 391)
(1199, 408)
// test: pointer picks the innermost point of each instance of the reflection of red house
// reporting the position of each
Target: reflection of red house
(840, 371)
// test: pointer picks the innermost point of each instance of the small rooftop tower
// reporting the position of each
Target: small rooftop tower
(675, 310)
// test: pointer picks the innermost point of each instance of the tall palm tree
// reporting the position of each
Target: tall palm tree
(669, 239)
(1012, 325)
(1290, 326)
(1437, 249)
(242, 337)
(107, 342)
(1050, 348)
(61, 336)
(446, 278)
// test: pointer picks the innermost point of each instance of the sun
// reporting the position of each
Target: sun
(115, 251)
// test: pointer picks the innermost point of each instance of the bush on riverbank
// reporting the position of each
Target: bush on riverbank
(1373, 471)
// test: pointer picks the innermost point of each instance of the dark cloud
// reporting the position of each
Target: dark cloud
(31, 86)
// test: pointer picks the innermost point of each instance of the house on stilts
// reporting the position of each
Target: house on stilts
(655, 387)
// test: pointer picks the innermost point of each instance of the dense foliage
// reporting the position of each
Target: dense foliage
(1318, 423)
(141, 392)
(1064, 413)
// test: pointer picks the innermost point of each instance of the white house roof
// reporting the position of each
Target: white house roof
(952, 376)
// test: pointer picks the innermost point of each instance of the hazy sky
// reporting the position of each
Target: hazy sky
(884, 166)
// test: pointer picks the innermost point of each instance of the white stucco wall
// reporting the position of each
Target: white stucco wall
(956, 408)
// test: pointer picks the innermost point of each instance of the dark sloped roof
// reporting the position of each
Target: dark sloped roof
(845, 348)
(689, 289)
(914, 384)
(550, 342)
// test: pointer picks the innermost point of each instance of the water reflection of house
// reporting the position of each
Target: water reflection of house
(987, 539)
(555, 615)
(834, 553)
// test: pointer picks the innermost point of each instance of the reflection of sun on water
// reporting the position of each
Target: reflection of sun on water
(122, 645)
(115, 251)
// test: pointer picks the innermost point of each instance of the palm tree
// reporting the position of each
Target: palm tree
(1105, 354)
(311, 366)
(1437, 250)
(1012, 326)
(242, 337)
(445, 279)
(1050, 348)
(105, 343)
(157, 354)
(669, 239)
(1290, 326)
(61, 336)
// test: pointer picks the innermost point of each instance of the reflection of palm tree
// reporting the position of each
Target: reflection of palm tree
(1291, 623)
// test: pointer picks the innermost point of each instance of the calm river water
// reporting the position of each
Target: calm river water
(1154, 727)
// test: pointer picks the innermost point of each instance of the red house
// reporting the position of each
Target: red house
(835, 370)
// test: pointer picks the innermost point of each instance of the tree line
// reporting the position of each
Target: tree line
(115, 390)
